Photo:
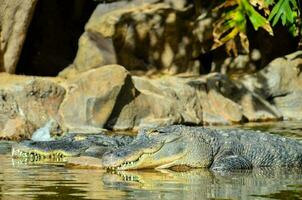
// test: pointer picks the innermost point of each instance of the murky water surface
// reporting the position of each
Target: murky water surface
(21, 181)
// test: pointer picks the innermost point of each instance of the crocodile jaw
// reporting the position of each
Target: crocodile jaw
(162, 156)
(34, 155)
(136, 164)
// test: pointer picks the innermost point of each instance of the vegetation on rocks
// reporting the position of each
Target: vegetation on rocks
(236, 15)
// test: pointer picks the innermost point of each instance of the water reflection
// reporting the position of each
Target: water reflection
(57, 182)
(203, 184)
(292, 194)
(5, 147)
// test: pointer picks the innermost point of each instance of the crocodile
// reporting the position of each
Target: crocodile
(197, 147)
(70, 145)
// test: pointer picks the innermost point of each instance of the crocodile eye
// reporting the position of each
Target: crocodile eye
(80, 138)
(153, 132)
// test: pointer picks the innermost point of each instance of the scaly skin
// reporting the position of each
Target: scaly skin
(72, 145)
(197, 147)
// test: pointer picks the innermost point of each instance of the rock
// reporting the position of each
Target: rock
(279, 77)
(91, 97)
(114, 100)
(94, 51)
(27, 103)
(91, 43)
(168, 100)
(228, 102)
(203, 31)
(213, 99)
(15, 17)
(139, 35)
(217, 108)
(280, 83)
(241, 64)
(290, 105)
(253, 106)
(44, 133)
(16, 129)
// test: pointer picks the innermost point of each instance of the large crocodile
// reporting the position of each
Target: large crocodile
(197, 147)
(179, 146)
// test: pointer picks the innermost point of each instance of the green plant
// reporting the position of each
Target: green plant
(233, 16)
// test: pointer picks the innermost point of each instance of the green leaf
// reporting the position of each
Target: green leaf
(256, 19)
(269, 2)
(287, 12)
(231, 23)
(234, 20)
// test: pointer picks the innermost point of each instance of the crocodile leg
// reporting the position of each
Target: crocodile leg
(231, 162)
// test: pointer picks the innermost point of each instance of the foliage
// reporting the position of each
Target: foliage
(234, 16)
(287, 11)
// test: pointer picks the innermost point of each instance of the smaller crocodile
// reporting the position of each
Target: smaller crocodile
(71, 145)
(198, 147)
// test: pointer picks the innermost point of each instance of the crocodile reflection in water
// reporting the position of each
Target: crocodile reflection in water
(180, 147)
(244, 184)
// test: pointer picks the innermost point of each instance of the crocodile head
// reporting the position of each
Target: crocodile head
(50, 150)
(166, 147)
(71, 145)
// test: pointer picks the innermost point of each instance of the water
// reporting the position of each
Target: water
(21, 181)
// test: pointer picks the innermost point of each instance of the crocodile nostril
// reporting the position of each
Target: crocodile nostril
(121, 153)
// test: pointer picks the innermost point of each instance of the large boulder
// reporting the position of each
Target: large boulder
(27, 103)
(280, 83)
(15, 17)
(164, 101)
(140, 35)
(91, 97)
